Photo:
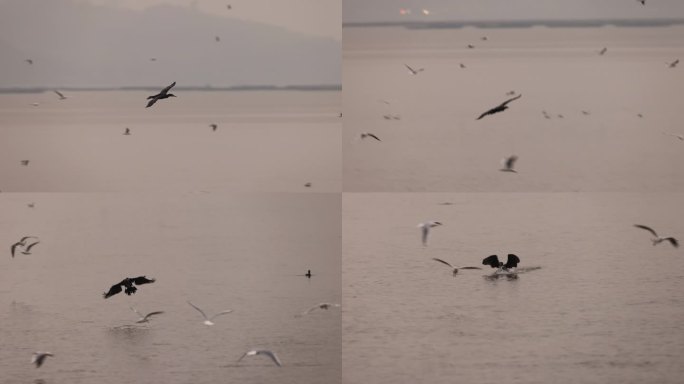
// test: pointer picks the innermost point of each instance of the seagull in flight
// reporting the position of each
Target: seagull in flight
(673, 64)
(455, 269)
(425, 229)
(39, 357)
(366, 134)
(603, 51)
(20, 243)
(266, 352)
(61, 96)
(161, 95)
(499, 108)
(414, 71)
(508, 163)
(208, 320)
(493, 261)
(127, 283)
(658, 239)
(145, 318)
(27, 250)
(318, 306)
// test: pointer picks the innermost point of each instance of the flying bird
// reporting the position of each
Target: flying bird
(493, 261)
(208, 320)
(366, 134)
(508, 163)
(470, 46)
(27, 250)
(499, 108)
(414, 71)
(214, 127)
(673, 64)
(127, 132)
(603, 51)
(20, 243)
(455, 269)
(161, 95)
(229, 6)
(680, 137)
(39, 357)
(461, 65)
(145, 318)
(308, 274)
(127, 283)
(425, 229)
(266, 352)
(324, 306)
(61, 96)
(29, 61)
(25, 163)
(308, 184)
(658, 239)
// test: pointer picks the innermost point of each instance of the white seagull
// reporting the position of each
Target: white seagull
(508, 164)
(145, 318)
(39, 357)
(325, 306)
(659, 239)
(425, 229)
(455, 271)
(208, 320)
(266, 352)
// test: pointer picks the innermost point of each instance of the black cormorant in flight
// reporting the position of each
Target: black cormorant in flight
(127, 283)
(161, 95)
(499, 108)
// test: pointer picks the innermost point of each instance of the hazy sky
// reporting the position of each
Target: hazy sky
(316, 17)
(389, 10)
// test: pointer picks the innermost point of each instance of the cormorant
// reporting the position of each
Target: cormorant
(499, 108)
(127, 283)
(161, 95)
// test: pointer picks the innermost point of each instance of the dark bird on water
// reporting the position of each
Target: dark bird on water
(414, 71)
(29, 61)
(39, 357)
(603, 51)
(308, 274)
(61, 96)
(461, 65)
(214, 127)
(127, 131)
(508, 164)
(493, 261)
(455, 269)
(366, 134)
(127, 283)
(673, 64)
(21, 243)
(308, 185)
(658, 239)
(499, 108)
(471, 46)
(164, 94)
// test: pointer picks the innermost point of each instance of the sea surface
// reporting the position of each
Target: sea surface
(609, 122)
(266, 141)
(242, 251)
(595, 301)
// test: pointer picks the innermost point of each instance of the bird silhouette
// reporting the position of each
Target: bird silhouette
(164, 94)
(127, 284)
(499, 108)
(658, 239)
(414, 71)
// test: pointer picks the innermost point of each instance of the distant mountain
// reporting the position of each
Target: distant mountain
(75, 44)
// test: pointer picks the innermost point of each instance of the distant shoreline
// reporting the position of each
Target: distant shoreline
(519, 23)
(323, 87)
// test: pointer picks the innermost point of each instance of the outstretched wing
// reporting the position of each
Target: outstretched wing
(509, 100)
(469, 268)
(512, 261)
(28, 248)
(486, 113)
(142, 280)
(200, 311)
(273, 356)
(167, 89)
(492, 261)
(14, 247)
(373, 136)
(152, 101)
(443, 262)
(510, 161)
(672, 241)
(116, 288)
(647, 228)
(410, 69)
(221, 313)
(152, 314)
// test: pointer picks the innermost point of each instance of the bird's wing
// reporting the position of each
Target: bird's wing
(512, 261)
(409, 68)
(23, 239)
(672, 241)
(151, 102)
(373, 136)
(244, 355)
(152, 314)
(469, 268)
(425, 229)
(112, 291)
(142, 280)
(273, 356)
(58, 93)
(492, 261)
(221, 313)
(442, 261)
(200, 311)
(646, 228)
(136, 311)
(165, 90)
(511, 99)
(510, 162)
(485, 114)
(14, 247)
(28, 248)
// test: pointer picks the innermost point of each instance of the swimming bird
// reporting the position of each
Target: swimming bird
(659, 239)
(161, 95)
(508, 163)
(308, 185)
(493, 261)
(308, 274)
(318, 306)
(266, 352)
(213, 127)
(25, 162)
(425, 229)
(39, 357)
(414, 71)
(455, 269)
(20, 243)
(31, 205)
(61, 96)
(499, 108)
(673, 64)
(27, 250)
(145, 318)
(208, 320)
(29, 61)
(366, 134)
(127, 132)
(603, 51)
(127, 283)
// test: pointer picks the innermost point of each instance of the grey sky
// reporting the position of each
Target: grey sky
(388, 10)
